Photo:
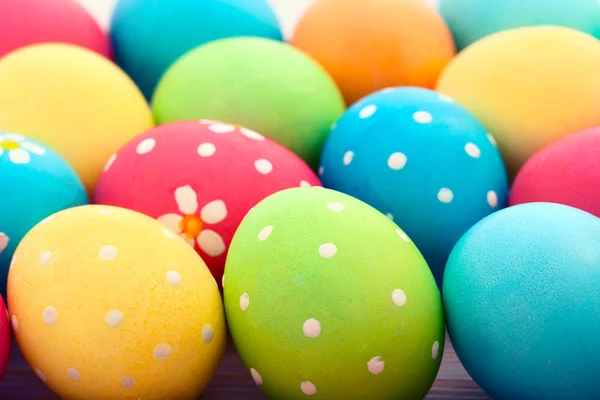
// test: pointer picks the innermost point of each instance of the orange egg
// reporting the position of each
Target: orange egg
(369, 45)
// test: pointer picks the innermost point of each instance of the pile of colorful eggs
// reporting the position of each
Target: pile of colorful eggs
(333, 200)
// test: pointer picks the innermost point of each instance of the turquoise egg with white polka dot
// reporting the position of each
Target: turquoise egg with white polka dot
(326, 298)
(35, 182)
(423, 160)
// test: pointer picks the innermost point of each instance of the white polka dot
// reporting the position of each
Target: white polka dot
(113, 318)
(256, 376)
(244, 301)
(15, 323)
(206, 149)
(397, 161)
(402, 235)
(162, 352)
(40, 375)
(445, 98)
(348, 156)
(110, 162)
(367, 111)
(104, 212)
(399, 297)
(265, 233)
(492, 199)
(308, 388)
(492, 139)
(127, 382)
(337, 207)
(73, 374)
(145, 146)
(312, 328)
(221, 128)
(168, 233)
(435, 349)
(108, 253)
(305, 184)
(376, 365)
(445, 195)
(250, 134)
(422, 117)
(50, 316)
(174, 278)
(472, 150)
(321, 170)
(263, 166)
(207, 333)
(390, 216)
(327, 250)
(45, 257)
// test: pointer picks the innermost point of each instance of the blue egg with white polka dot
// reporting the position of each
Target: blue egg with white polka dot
(35, 182)
(423, 160)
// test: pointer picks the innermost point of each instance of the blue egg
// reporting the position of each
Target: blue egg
(522, 302)
(35, 182)
(471, 20)
(150, 35)
(423, 160)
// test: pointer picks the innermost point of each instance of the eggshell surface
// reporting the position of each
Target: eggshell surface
(74, 100)
(35, 182)
(106, 303)
(5, 339)
(528, 86)
(262, 84)
(326, 297)
(150, 35)
(471, 20)
(370, 45)
(200, 178)
(521, 300)
(421, 159)
(27, 22)
(567, 171)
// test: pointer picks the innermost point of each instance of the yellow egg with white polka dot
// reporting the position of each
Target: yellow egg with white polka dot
(106, 303)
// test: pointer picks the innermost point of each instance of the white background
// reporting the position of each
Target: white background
(288, 10)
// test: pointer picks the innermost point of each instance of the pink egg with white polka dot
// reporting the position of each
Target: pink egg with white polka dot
(200, 178)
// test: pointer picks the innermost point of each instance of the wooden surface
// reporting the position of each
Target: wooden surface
(233, 383)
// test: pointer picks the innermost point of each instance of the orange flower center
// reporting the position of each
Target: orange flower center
(9, 145)
(191, 225)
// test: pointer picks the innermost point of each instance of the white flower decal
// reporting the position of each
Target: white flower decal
(3, 241)
(191, 226)
(18, 148)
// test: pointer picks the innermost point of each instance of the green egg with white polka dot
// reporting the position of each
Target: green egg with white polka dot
(327, 298)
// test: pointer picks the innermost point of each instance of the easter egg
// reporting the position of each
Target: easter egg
(265, 85)
(528, 86)
(76, 101)
(106, 303)
(35, 182)
(370, 45)
(421, 159)
(27, 22)
(521, 301)
(200, 179)
(326, 296)
(150, 35)
(566, 171)
(5, 339)
(471, 20)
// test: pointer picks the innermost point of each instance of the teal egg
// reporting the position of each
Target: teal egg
(35, 182)
(327, 297)
(471, 20)
(521, 299)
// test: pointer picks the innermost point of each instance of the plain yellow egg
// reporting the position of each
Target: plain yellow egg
(106, 303)
(528, 86)
(73, 100)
